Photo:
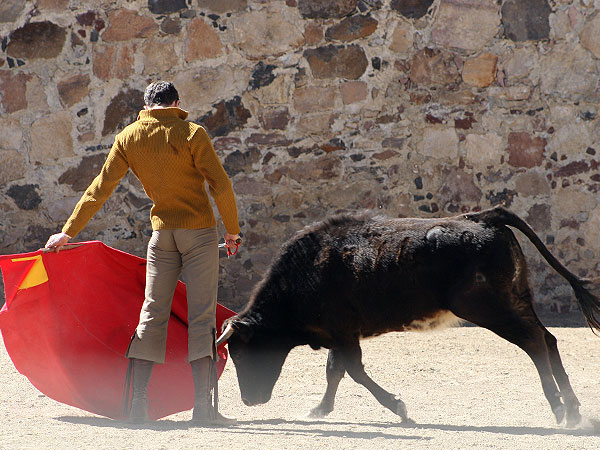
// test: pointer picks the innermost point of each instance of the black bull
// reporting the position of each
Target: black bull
(353, 277)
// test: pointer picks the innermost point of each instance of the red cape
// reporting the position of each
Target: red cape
(68, 320)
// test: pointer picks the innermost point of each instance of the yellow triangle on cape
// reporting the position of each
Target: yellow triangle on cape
(37, 274)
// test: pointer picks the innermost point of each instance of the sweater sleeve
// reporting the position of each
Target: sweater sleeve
(114, 168)
(220, 186)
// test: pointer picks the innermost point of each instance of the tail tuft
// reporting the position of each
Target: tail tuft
(587, 292)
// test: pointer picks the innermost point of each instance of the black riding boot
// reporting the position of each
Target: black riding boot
(205, 379)
(142, 370)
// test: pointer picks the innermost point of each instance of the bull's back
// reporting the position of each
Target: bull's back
(398, 274)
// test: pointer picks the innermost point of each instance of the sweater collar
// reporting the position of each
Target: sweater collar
(162, 113)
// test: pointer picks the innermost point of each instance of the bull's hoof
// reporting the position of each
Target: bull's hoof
(573, 419)
(318, 413)
(595, 424)
(401, 409)
(559, 413)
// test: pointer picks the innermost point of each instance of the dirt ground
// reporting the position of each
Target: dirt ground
(464, 387)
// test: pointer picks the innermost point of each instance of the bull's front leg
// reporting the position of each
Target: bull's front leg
(334, 372)
(352, 358)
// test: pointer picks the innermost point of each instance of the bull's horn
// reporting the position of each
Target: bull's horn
(226, 334)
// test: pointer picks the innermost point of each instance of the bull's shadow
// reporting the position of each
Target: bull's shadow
(510, 430)
(317, 427)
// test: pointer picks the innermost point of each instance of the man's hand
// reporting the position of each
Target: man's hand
(233, 239)
(57, 241)
(232, 242)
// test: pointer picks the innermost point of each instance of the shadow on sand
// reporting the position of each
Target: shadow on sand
(319, 427)
(259, 427)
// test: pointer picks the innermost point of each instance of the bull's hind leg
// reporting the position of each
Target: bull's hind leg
(352, 358)
(335, 372)
(560, 375)
(514, 320)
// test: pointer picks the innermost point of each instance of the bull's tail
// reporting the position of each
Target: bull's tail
(587, 291)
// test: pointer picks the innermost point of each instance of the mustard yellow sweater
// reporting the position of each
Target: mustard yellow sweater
(172, 158)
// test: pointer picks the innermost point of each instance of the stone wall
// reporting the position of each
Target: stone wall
(411, 108)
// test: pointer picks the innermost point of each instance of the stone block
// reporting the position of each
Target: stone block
(10, 10)
(510, 93)
(159, 56)
(245, 185)
(352, 28)
(521, 63)
(171, 25)
(200, 88)
(337, 62)
(262, 75)
(122, 110)
(466, 24)
(52, 5)
(525, 151)
(166, 6)
(526, 20)
(274, 25)
(60, 210)
(240, 162)
(326, 9)
(402, 38)
(310, 99)
(440, 143)
(71, 90)
(13, 88)
(590, 36)
(433, 67)
(411, 9)
(223, 6)
(51, 137)
(275, 119)
(13, 166)
(35, 91)
(539, 216)
(80, 177)
(319, 169)
(531, 184)
(315, 124)
(126, 24)
(313, 33)
(25, 196)
(33, 40)
(591, 228)
(457, 188)
(569, 72)
(113, 61)
(572, 203)
(11, 137)
(481, 70)
(570, 138)
(483, 151)
(203, 42)
(226, 117)
(353, 92)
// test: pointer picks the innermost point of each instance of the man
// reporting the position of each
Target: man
(173, 158)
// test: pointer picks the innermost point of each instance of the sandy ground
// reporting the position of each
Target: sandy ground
(464, 387)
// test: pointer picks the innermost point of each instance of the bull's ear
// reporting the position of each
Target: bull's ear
(243, 330)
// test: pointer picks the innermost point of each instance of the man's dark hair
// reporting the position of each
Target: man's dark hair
(160, 93)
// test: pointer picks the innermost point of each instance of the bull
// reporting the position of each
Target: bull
(353, 277)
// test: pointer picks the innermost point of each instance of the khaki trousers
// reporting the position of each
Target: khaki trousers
(193, 254)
